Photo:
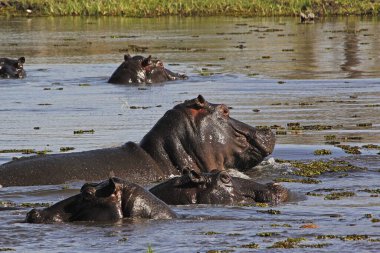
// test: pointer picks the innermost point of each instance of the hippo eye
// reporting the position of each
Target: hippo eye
(225, 177)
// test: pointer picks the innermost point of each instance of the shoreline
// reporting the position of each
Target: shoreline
(152, 8)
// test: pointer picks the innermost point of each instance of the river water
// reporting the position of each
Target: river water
(270, 71)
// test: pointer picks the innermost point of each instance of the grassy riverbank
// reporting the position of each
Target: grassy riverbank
(152, 8)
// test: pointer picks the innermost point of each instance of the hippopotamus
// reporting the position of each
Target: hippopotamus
(217, 188)
(141, 70)
(12, 68)
(110, 200)
(195, 134)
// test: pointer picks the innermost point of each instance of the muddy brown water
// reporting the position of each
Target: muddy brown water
(269, 71)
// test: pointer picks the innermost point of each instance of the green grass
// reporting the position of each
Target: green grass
(153, 8)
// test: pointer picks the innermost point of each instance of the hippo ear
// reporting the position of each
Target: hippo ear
(146, 61)
(21, 60)
(127, 57)
(224, 177)
(108, 189)
(200, 101)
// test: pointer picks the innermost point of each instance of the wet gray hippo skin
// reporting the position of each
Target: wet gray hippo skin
(217, 188)
(109, 200)
(195, 134)
(12, 68)
(141, 70)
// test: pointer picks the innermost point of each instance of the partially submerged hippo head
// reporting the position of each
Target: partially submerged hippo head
(130, 71)
(202, 136)
(12, 68)
(109, 200)
(138, 70)
(217, 188)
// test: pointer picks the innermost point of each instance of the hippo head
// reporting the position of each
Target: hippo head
(138, 69)
(203, 137)
(132, 70)
(12, 68)
(217, 188)
(96, 202)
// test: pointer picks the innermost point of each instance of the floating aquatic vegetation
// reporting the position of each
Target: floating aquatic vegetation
(324, 237)
(371, 146)
(270, 211)
(354, 237)
(316, 168)
(267, 234)
(330, 137)
(250, 246)
(26, 204)
(322, 152)
(43, 152)
(297, 180)
(374, 191)
(23, 151)
(351, 138)
(289, 243)
(339, 195)
(261, 204)
(375, 220)
(364, 125)
(65, 149)
(234, 234)
(281, 225)
(355, 150)
(134, 107)
(91, 131)
(84, 84)
(7, 249)
(305, 103)
(317, 246)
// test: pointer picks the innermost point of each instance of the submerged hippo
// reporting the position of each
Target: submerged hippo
(109, 200)
(140, 70)
(195, 134)
(12, 68)
(217, 188)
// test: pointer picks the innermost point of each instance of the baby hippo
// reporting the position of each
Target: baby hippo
(109, 200)
(217, 188)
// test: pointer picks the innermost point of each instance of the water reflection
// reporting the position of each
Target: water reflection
(351, 50)
(272, 47)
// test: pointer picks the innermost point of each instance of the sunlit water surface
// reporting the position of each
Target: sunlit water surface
(70, 59)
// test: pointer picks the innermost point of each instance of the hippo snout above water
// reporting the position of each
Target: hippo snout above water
(109, 200)
(217, 188)
(143, 70)
(10, 68)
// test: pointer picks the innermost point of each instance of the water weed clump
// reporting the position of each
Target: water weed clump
(339, 195)
(289, 243)
(322, 152)
(155, 8)
(316, 168)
